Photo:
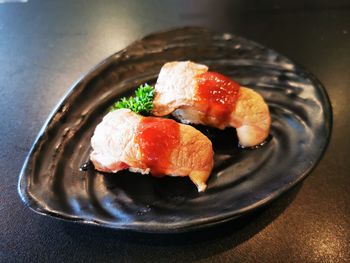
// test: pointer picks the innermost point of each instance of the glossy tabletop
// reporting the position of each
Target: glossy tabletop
(45, 46)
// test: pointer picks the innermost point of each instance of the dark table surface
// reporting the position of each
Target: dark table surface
(45, 46)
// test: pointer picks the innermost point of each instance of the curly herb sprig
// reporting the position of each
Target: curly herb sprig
(142, 103)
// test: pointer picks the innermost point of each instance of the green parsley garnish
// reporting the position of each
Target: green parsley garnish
(142, 103)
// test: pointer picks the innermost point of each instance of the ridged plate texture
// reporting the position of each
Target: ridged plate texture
(242, 180)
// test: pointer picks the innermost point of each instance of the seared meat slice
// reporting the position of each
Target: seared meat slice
(126, 140)
(194, 95)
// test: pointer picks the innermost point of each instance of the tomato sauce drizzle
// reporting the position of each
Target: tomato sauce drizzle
(217, 95)
(157, 139)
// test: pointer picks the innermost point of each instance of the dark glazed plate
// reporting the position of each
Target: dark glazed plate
(242, 180)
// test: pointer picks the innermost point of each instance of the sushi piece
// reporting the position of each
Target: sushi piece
(195, 95)
(126, 140)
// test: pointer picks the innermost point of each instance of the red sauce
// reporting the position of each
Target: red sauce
(157, 138)
(217, 95)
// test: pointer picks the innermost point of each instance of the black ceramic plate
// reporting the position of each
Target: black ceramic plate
(242, 180)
